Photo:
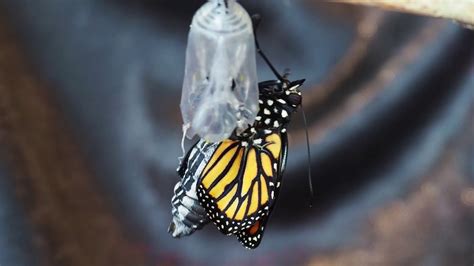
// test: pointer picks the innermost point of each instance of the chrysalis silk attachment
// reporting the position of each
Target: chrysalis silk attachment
(220, 91)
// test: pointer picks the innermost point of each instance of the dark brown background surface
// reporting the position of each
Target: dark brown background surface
(90, 131)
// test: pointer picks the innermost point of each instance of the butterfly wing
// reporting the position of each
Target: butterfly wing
(252, 236)
(238, 186)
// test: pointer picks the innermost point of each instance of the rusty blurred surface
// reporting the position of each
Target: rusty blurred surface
(459, 10)
(70, 222)
(90, 132)
(422, 228)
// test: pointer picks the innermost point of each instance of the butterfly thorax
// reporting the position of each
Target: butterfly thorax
(277, 101)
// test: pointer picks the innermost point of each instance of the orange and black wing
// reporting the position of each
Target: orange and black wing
(240, 183)
(252, 236)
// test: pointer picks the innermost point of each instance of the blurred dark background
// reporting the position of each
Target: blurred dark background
(90, 134)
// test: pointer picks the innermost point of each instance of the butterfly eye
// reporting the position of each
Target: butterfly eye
(294, 99)
(220, 74)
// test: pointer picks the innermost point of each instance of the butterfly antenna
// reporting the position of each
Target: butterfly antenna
(256, 21)
(310, 179)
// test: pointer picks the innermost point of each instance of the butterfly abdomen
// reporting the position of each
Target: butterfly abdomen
(188, 214)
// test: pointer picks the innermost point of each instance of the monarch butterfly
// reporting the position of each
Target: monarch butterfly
(235, 183)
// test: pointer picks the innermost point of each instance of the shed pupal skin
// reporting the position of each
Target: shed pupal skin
(220, 86)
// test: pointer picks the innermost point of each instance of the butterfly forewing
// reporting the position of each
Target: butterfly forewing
(252, 236)
(238, 186)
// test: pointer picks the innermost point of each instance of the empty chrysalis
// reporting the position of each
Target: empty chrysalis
(220, 91)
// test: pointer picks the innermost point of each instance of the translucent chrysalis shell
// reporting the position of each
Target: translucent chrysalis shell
(220, 91)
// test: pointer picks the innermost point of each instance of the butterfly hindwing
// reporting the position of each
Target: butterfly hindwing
(252, 236)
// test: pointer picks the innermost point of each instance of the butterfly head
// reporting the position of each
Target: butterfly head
(292, 93)
(285, 90)
(278, 100)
